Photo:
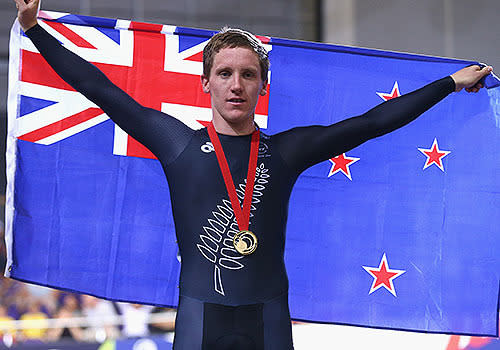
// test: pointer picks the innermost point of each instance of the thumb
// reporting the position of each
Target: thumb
(485, 71)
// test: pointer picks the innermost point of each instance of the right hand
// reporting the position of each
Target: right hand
(469, 77)
(27, 11)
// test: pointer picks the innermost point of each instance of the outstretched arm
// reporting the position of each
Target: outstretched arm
(157, 131)
(324, 142)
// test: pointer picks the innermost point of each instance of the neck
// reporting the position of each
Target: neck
(234, 129)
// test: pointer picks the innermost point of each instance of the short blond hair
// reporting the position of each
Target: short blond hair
(233, 37)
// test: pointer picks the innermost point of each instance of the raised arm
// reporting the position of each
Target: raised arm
(324, 142)
(157, 131)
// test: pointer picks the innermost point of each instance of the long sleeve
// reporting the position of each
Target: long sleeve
(324, 142)
(156, 130)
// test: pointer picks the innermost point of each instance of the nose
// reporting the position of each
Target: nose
(236, 86)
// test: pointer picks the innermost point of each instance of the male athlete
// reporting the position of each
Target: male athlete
(233, 284)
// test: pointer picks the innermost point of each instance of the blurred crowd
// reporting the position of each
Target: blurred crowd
(91, 316)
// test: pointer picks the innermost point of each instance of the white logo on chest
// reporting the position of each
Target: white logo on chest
(207, 147)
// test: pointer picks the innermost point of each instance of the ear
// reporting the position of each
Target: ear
(263, 91)
(205, 84)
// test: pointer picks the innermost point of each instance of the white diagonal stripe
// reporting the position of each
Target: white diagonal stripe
(70, 103)
(74, 130)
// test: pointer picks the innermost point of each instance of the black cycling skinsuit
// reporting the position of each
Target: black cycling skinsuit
(230, 301)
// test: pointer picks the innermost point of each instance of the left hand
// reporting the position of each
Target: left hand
(469, 78)
(27, 11)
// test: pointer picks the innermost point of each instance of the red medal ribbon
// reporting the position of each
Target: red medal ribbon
(242, 216)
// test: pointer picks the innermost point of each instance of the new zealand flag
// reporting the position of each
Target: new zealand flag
(401, 232)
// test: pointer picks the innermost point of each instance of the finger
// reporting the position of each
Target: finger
(20, 4)
(486, 70)
(32, 3)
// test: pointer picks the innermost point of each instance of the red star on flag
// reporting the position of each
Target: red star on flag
(434, 155)
(342, 163)
(394, 93)
(383, 276)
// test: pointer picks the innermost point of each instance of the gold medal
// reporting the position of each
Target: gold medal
(245, 242)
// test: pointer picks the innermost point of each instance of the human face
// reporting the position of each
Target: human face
(235, 85)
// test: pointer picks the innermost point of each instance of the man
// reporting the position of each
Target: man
(233, 284)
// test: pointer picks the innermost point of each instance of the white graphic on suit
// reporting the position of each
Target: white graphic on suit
(217, 240)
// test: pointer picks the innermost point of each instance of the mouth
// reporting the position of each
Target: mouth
(236, 100)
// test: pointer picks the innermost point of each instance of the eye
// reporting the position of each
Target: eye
(224, 74)
(249, 74)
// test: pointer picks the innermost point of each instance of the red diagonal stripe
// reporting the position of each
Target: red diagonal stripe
(197, 57)
(37, 71)
(70, 35)
(61, 125)
(203, 122)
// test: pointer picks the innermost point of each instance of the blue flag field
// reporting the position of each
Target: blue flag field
(401, 232)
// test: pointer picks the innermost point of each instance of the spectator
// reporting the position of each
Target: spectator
(47, 297)
(135, 319)
(98, 312)
(19, 299)
(6, 329)
(69, 309)
(34, 314)
(51, 301)
(165, 326)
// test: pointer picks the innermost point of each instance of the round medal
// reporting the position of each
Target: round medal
(245, 242)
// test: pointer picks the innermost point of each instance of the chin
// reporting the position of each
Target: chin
(237, 118)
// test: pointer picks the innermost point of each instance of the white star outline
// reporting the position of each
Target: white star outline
(427, 164)
(348, 174)
(392, 290)
(385, 96)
